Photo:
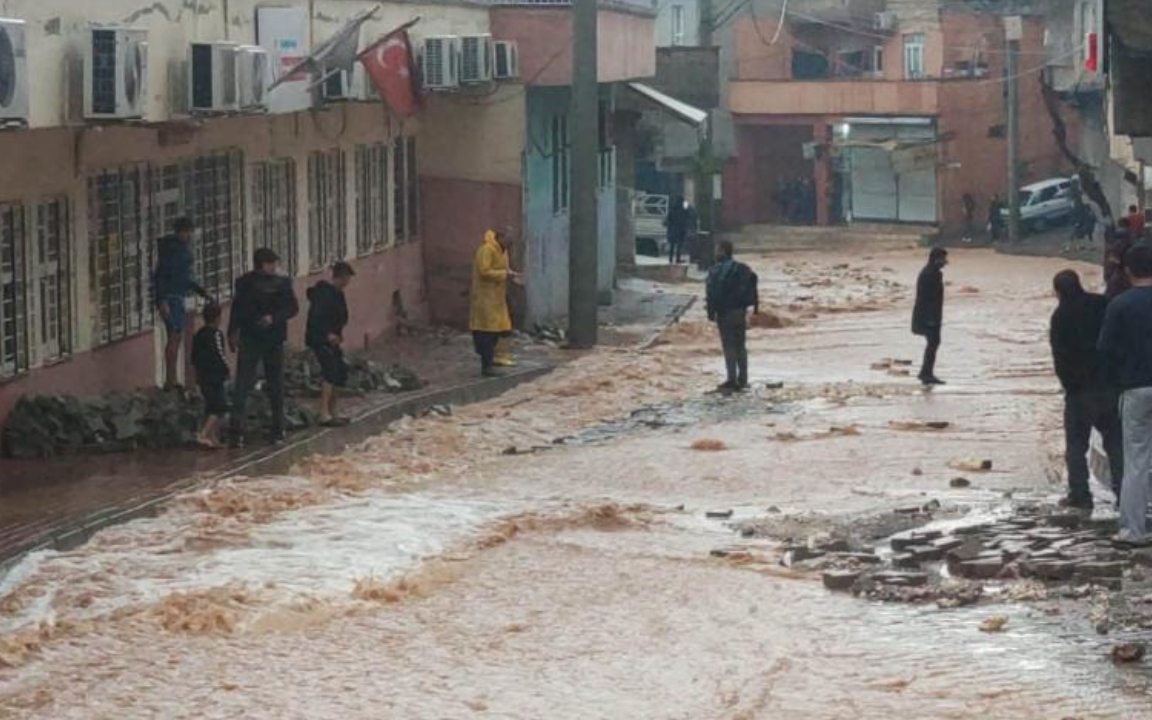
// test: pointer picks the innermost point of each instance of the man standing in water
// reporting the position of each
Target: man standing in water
(1089, 401)
(172, 282)
(731, 290)
(262, 305)
(490, 319)
(928, 313)
(1125, 347)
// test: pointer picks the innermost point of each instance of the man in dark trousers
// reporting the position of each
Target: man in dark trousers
(677, 225)
(262, 305)
(1125, 347)
(324, 336)
(996, 218)
(1089, 401)
(172, 283)
(928, 313)
(731, 290)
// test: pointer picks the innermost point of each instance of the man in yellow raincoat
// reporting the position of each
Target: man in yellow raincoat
(490, 319)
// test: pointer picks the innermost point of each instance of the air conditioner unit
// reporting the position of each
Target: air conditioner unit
(13, 72)
(252, 77)
(885, 21)
(476, 59)
(440, 62)
(505, 60)
(344, 86)
(213, 78)
(115, 72)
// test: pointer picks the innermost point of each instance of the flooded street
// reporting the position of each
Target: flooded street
(549, 553)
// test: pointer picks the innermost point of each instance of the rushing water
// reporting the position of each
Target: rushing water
(492, 564)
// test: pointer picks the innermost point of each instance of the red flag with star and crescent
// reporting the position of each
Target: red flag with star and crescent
(389, 63)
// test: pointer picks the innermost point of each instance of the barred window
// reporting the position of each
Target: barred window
(399, 196)
(560, 161)
(372, 198)
(52, 278)
(274, 210)
(214, 199)
(412, 191)
(327, 209)
(121, 251)
(14, 355)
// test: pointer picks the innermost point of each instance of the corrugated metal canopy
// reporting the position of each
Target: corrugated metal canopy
(682, 110)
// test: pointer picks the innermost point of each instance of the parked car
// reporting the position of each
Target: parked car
(649, 212)
(1043, 204)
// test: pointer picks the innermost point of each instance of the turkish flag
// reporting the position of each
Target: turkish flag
(390, 65)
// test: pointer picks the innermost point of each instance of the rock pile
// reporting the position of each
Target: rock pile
(302, 376)
(44, 426)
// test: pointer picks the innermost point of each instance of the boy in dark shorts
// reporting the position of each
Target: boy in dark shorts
(327, 316)
(211, 372)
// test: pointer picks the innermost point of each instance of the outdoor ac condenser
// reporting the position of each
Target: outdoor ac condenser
(476, 59)
(506, 61)
(115, 72)
(252, 77)
(213, 78)
(13, 72)
(440, 62)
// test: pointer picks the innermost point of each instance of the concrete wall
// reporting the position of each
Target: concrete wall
(546, 236)
(56, 31)
(690, 10)
(544, 39)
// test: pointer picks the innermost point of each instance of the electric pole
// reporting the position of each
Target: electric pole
(583, 236)
(1014, 32)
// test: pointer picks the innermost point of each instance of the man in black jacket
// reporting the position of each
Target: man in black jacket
(731, 290)
(172, 283)
(1125, 347)
(928, 313)
(262, 305)
(1089, 401)
(327, 316)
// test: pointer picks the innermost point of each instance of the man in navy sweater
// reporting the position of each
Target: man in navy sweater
(1125, 346)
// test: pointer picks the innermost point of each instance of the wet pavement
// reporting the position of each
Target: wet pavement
(549, 553)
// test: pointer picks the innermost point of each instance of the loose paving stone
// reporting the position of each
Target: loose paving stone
(840, 580)
(799, 554)
(718, 514)
(1129, 652)
(1054, 570)
(1065, 520)
(904, 579)
(945, 544)
(859, 557)
(926, 553)
(980, 569)
(1100, 569)
(960, 482)
(905, 560)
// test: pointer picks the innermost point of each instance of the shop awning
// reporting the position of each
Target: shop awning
(682, 110)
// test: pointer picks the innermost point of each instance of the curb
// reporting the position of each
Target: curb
(272, 460)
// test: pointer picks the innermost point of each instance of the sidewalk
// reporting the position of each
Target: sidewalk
(60, 502)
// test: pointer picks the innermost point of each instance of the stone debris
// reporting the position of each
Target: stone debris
(1129, 652)
(960, 482)
(840, 580)
(45, 426)
(718, 514)
(708, 445)
(972, 465)
(996, 623)
(302, 376)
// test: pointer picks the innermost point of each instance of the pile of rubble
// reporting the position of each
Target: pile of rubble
(950, 567)
(49, 425)
(302, 376)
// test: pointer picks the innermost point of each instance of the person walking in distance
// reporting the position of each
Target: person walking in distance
(1136, 223)
(1125, 347)
(928, 313)
(996, 218)
(262, 305)
(1089, 400)
(490, 319)
(324, 336)
(211, 366)
(677, 225)
(172, 282)
(969, 208)
(731, 290)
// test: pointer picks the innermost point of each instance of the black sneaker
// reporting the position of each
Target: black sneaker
(931, 380)
(727, 387)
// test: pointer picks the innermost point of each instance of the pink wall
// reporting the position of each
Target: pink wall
(130, 363)
(627, 43)
(456, 215)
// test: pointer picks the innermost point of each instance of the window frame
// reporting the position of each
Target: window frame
(327, 208)
(275, 213)
(678, 25)
(561, 164)
(374, 198)
(914, 51)
(15, 355)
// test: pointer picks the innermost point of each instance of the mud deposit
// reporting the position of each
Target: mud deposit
(607, 542)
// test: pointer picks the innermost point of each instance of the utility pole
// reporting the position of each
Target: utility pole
(583, 238)
(1014, 32)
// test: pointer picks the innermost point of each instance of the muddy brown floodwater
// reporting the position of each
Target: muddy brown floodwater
(547, 554)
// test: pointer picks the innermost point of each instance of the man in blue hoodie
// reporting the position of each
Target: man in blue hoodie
(172, 283)
(324, 336)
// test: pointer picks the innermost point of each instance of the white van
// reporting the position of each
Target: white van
(1043, 204)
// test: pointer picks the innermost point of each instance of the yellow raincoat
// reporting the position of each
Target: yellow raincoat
(490, 288)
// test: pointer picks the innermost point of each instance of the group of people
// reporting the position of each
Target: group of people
(1102, 352)
(995, 217)
(796, 200)
(263, 301)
